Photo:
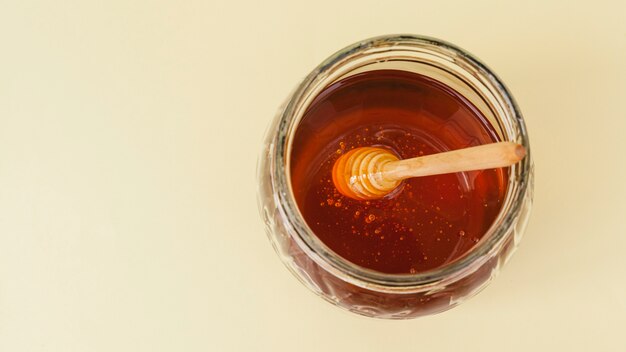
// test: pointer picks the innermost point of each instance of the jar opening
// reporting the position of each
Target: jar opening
(446, 64)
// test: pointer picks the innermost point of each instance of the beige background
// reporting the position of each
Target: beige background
(129, 133)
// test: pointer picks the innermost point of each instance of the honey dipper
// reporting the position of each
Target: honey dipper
(368, 173)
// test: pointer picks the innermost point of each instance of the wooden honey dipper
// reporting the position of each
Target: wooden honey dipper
(370, 173)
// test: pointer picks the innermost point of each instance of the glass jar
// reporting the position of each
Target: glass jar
(368, 292)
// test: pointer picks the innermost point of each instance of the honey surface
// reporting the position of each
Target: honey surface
(427, 221)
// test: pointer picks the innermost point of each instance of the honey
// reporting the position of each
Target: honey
(427, 221)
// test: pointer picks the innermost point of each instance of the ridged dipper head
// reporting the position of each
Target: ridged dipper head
(358, 173)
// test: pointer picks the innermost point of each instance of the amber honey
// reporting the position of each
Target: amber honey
(428, 221)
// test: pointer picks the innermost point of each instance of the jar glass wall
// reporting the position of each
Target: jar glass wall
(369, 292)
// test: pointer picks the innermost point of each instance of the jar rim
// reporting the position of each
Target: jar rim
(364, 277)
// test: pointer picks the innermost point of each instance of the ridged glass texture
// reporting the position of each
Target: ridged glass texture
(364, 291)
